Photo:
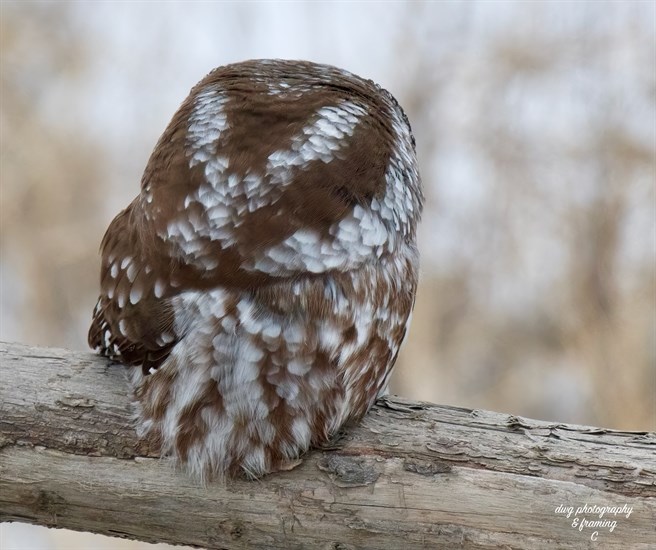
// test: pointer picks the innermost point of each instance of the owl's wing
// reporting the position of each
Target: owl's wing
(133, 321)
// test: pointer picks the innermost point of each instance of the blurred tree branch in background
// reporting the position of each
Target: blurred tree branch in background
(54, 177)
(538, 145)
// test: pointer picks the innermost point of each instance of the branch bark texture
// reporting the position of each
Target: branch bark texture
(411, 475)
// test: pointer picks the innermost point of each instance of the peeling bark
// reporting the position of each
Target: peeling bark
(411, 475)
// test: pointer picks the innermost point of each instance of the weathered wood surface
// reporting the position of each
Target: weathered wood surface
(412, 475)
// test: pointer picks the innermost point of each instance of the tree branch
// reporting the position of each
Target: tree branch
(412, 475)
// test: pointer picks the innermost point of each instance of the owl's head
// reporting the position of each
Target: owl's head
(301, 138)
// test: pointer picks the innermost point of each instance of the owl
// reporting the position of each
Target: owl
(261, 283)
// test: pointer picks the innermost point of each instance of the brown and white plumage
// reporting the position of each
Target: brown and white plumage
(262, 281)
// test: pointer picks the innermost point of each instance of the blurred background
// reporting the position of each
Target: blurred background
(536, 132)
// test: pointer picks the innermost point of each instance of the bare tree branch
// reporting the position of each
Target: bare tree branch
(412, 475)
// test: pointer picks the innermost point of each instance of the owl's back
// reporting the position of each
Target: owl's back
(264, 277)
